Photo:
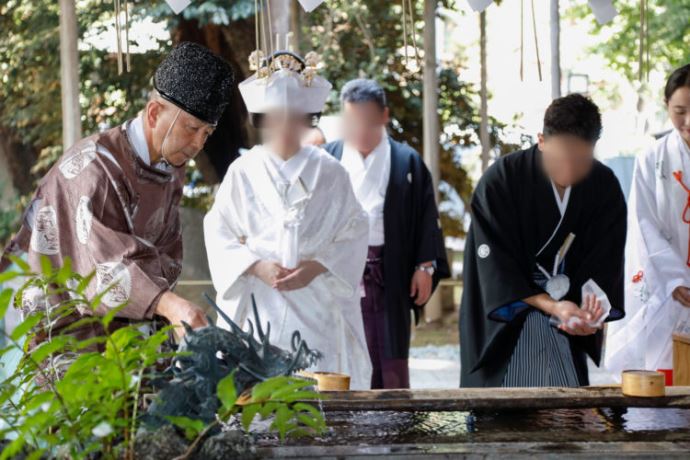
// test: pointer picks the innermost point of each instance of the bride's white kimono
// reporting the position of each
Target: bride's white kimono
(656, 260)
(310, 194)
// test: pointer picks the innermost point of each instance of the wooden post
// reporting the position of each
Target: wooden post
(681, 359)
(432, 131)
(483, 95)
(69, 74)
(295, 26)
(555, 49)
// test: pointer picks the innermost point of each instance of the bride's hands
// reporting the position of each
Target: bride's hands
(300, 277)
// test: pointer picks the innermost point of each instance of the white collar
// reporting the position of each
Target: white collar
(135, 132)
(355, 162)
(290, 169)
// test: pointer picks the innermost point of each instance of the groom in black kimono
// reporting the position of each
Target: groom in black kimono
(407, 255)
(545, 221)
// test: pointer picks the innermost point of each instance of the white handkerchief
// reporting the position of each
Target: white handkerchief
(479, 5)
(178, 5)
(591, 287)
(310, 5)
(603, 10)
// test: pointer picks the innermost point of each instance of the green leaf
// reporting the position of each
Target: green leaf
(227, 393)
(263, 390)
(248, 413)
(8, 275)
(5, 299)
(19, 262)
(191, 427)
(65, 272)
(46, 267)
(12, 449)
(46, 349)
(25, 327)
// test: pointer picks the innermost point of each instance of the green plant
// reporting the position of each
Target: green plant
(72, 398)
(69, 397)
(280, 398)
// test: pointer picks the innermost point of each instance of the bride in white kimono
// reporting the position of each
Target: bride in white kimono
(287, 227)
(657, 261)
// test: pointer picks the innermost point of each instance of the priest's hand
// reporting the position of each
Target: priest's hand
(681, 294)
(420, 287)
(268, 271)
(177, 310)
(301, 276)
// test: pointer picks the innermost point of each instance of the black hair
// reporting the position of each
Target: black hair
(573, 114)
(363, 90)
(310, 119)
(679, 78)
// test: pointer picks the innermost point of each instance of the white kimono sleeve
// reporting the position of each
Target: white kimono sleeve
(228, 255)
(345, 255)
(665, 270)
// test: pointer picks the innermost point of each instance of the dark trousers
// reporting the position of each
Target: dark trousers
(387, 372)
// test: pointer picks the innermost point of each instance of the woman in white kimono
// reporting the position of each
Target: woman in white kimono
(657, 259)
(286, 225)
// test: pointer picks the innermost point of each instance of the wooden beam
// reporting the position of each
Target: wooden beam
(463, 399)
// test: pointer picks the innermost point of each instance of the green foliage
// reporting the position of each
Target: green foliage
(75, 398)
(72, 397)
(669, 35)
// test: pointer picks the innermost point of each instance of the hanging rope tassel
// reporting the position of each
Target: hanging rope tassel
(118, 37)
(404, 24)
(686, 211)
(536, 40)
(128, 61)
(414, 34)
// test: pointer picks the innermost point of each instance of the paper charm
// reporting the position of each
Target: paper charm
(310, 5)
(178, 5)
(479, 5)
(603, 10)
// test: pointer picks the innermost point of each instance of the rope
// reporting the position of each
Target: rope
(128, 62)
(118, 36)
(686, 211)
(536, 41)
(414, 34)
(404, 15)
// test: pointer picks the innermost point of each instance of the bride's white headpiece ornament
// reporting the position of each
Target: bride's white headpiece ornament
(285, 81)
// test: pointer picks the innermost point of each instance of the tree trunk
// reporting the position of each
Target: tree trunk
(69, 74)
(555, 49)
(484, 95)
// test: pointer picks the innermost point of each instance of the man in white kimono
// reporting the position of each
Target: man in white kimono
(657, 260)
(287, 228)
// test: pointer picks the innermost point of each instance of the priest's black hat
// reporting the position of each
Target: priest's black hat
(196, 80)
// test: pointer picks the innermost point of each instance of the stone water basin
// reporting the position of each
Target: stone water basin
(543, 430)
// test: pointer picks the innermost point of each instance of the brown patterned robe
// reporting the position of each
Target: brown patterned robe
(119, 220)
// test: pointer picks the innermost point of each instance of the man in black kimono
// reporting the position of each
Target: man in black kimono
(407, 257)
(545, 222)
